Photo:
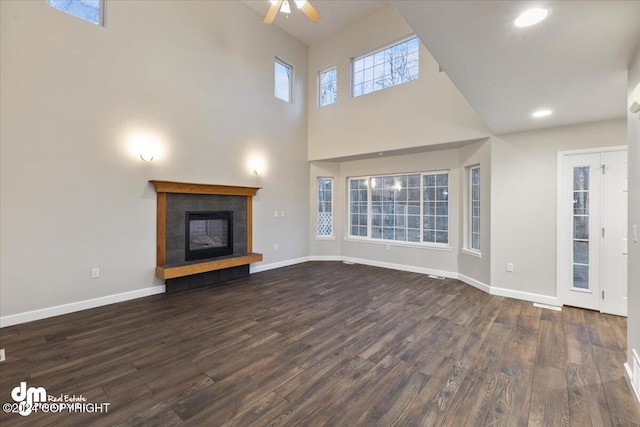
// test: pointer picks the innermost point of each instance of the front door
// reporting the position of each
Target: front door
(593, 231)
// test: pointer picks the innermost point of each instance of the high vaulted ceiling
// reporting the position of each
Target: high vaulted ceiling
(573, 63)
(335, 15)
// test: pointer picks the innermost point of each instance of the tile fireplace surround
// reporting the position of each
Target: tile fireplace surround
(174, 200)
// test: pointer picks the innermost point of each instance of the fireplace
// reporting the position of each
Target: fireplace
(208, 234)
(222, 215)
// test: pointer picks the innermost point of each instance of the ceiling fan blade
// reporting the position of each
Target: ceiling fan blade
(272, 12)
(310, 11)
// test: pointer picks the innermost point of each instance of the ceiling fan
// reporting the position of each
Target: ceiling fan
(283, 6)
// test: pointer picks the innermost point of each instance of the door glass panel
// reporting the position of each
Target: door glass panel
(581, 227)
(581, 178)
(581, 276)
(581, 252)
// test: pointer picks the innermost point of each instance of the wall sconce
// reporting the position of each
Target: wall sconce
(144, 145)
(257, 166)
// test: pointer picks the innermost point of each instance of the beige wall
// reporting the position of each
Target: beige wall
(633, 322)
(449, 262)
(427, 111)
(524, 199)
(197, 74)
(471, 266)
(326, 247)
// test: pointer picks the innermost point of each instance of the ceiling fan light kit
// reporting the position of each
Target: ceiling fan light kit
(284, 7)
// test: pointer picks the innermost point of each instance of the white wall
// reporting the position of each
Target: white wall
(524, 199)
(426, 111)
(633, 322)
(199, 76)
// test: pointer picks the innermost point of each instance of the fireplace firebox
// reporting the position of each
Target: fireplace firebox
(208, 234)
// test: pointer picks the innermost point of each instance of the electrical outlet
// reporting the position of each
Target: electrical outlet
(275, 214)
(95, 273)
(281, 213)
(635, 233)
(510, 267)
(3, 357)
(275, 247)
(388, 247)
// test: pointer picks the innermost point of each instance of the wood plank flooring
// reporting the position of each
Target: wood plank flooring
(326, 344)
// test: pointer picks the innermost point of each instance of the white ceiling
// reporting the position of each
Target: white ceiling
(573, 63)
(335, 15)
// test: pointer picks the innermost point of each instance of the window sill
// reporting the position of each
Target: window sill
(472, 252)
(399, 244)
(325, 237)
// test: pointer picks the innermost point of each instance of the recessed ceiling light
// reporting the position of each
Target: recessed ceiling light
(531, 17)
(541, 113)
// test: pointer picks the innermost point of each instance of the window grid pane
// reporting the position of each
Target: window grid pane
(581, 227)
(435, 208)
(325, 207)
(395, 208)
(328, 91)
(358, 207)
(89, 10)
(282, 81)
(391, 66)
(475, 209)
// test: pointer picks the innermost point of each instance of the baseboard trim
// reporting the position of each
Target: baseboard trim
(525, 296)
(629, 379)
(402, 267)
(44, 313)
(475, 283)
(325, 258)
(265, 267)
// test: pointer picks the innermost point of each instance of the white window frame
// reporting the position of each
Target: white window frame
(291, 79)
(373, 52)
(320, 73)
(102, 8)
(332, 235)
(468, 217)
(421, 244)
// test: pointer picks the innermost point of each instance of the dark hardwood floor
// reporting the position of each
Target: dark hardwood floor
(326, 344)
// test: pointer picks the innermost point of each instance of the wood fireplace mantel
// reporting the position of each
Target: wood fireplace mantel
(165, 271)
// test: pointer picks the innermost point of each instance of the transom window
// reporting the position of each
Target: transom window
(283, 80)
(89, 10)
(407, 208)
(328, 87)
(387, 67)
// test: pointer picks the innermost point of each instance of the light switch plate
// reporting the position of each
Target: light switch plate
(635, 233)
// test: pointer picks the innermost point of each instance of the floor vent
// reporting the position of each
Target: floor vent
(348, 262)
(547, 306)
(431, 276)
